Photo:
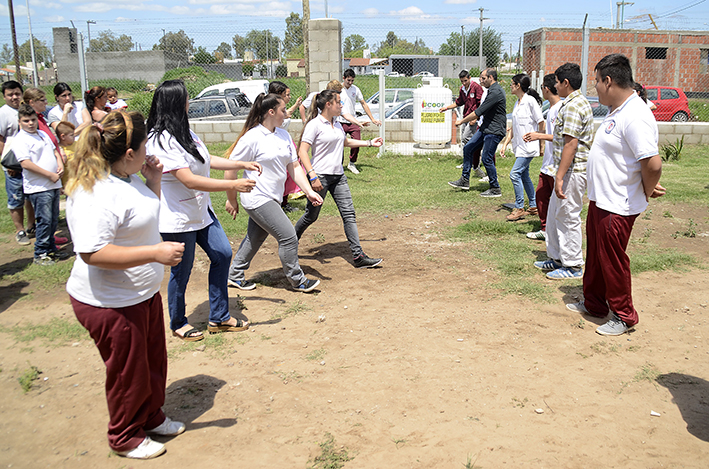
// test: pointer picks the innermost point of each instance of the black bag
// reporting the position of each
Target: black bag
(10, 162)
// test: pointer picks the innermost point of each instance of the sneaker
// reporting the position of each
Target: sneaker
(58, 240)
(241, 284)
(22, 238)
(307, 286)
(353, 168)
(538, 235)
(614, 326)
(289, 208)
(461, 183)
(460, 166)
(492, 192)
(549, 264)
(532, 211)
(44, 259)
(365, 262)
(563, 273)
(579, 307)
(59, 255)
(32, 231)
(169, 427)
(484, 179)
(517, 214)
(147, 449)
(480, 173)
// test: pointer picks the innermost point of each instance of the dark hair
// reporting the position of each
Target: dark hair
(640, 89)
(277, 87)
(110, 88)
(262, 104)
(91, 95)
(349, 73)
(491, 72)
(550, 83)
(11, 85)
(25, 110)
(317, 106)
(524, 82)
(101, 146)
(168, 113)
(571, 72)
(616, 66)
(463, 74)
(61, 87)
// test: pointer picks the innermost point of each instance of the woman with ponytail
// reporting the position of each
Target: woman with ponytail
(95, 100)
(263, 141)
(325, 137)
(526, 117)
(114, 285)
(186, 213)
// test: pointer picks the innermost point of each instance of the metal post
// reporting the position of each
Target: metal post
(462, 46)
(82, 66)
(480, 34)
(382, 116)
(88, 27)
(35, 74)
(584, 55)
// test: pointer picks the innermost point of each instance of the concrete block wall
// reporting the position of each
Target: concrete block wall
(325, 39)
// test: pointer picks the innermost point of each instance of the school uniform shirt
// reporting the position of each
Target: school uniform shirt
(119, 213)
(273, 151)
(181, 209)
(56, 113)
(349, 96)
(39, 149)
(548, 159)
(327, 141)
(627, 135)
(526, 117)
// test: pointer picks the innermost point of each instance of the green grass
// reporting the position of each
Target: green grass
(56, 331)
(686, 180)
(699, 109)
(28, 377)
(330, 457)
(650, 258)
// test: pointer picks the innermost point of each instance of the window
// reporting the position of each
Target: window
(404, 95)
(196, 109)
(703, 60)
(669, 94)
(656, 53)
(216, 108)
(652, 94)
(389, 96)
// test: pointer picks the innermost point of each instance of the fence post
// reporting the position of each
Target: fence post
(584, 55)
(82, 67)
(382, 114)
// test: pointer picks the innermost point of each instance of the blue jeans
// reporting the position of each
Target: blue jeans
(215, 244)
(521, 182)
(46, 214)
(489, 143)
(336, 185)
(15, 194)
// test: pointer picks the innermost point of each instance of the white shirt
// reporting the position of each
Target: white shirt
(119, 213)
(526, 117)
(9, 122)
(327, 141)
(181, 209)
(308, 101)
(74, 116)
(626, 136)
(119, 104)
(273, 151)
(548, 160)
(39, 149)
(482, 99)
(349, 97)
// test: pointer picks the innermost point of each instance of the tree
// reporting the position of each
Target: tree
(353, 45)
(282, 71)
(263, 44)
(6, 55)
(239, 43)
(107, 41)
(492, 45)
(41, 52)
(222, 52)
(201, 56)
(401, 46)
(247, 69)
(179, 43)
(293, 41)
(391, 39)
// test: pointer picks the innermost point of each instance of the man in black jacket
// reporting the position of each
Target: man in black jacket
(493, 129)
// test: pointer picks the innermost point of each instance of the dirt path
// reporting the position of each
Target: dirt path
(415, 364)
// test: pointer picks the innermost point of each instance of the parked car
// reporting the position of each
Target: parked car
(229, 107)
(251, 88)
(672, 104)
(395, 74)
(402, 110)
(392, 97)
(424, 74)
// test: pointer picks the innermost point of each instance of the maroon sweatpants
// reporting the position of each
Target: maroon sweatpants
(131, 341)
(606, 280)
(354, 132)
(545, 189)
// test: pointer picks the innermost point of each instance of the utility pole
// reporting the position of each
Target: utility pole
(88, 27)
(462, 46)
(18, 72)
(35, 73)
(620, 15)
(480, 47)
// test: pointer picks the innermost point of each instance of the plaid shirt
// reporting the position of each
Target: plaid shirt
(575, 120)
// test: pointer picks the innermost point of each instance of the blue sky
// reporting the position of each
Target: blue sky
(209, 22)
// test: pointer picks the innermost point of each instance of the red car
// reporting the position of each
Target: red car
(672, 104)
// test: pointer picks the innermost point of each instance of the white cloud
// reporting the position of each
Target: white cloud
(542, 20)
(460, 2)
(414, 14)
(371, 12)
(54, 19)
(273, 9)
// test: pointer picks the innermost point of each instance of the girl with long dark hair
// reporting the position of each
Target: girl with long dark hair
(186, 213)
(68, 110)
(95, 100)
(263, 141)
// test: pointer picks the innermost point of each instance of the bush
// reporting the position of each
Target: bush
(282, 71)
(141, 102)
(196, 78)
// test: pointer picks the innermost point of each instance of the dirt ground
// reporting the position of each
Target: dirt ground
(417, 364)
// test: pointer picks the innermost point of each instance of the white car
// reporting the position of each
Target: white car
(402, 110)
(394, 74)
(251, 88)
(392, 97)
(424, 74)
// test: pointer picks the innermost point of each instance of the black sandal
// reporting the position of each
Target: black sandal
(214, 328)
(193, 335)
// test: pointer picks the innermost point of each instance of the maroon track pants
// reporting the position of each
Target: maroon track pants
(545, 189)
(354, 132)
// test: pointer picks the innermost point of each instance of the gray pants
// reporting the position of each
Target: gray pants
(268, 219)
(466, 132)
(336, 185)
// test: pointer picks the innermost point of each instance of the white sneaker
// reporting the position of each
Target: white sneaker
(169, 427)
(148, 449)
(579, 307)
(353, 168)
(460, 166)
(484, 179)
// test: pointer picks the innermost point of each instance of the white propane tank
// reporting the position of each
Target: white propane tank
(432, 128)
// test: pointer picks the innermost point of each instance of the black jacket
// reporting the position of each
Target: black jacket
(494, 111)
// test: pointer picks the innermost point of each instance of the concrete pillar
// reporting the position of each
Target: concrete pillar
(325, 52)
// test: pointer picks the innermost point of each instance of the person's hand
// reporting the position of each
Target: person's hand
(559, 188)
(503, 151)
(314, 197)
(658, 191)
(68, 107)
(244, 185)
(253, 166)
(152, 169)
(530, 136)
(298, 101)
(362, 124)
(169, 253)
(54, 177)
(376, 122)
(458, 122)
(232, 209)
(377, 142)
(316, 185)
(443, 109)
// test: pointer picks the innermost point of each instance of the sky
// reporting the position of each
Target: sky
(209, 22)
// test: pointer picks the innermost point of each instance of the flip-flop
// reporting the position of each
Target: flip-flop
(221, 327)
(188, 337)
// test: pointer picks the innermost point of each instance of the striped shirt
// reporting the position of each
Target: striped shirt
(575, 119)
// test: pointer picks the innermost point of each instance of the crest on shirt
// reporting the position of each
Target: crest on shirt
(610, 126)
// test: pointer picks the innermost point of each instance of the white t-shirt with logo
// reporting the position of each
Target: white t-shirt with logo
(349, 97)
(548, 160)
(273, 151)
(526, 117)
(119, 213)
(181, 209)
(39, 149)
(327, 141)
(627, 135)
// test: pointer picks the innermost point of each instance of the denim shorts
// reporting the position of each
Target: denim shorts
(15, 194)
